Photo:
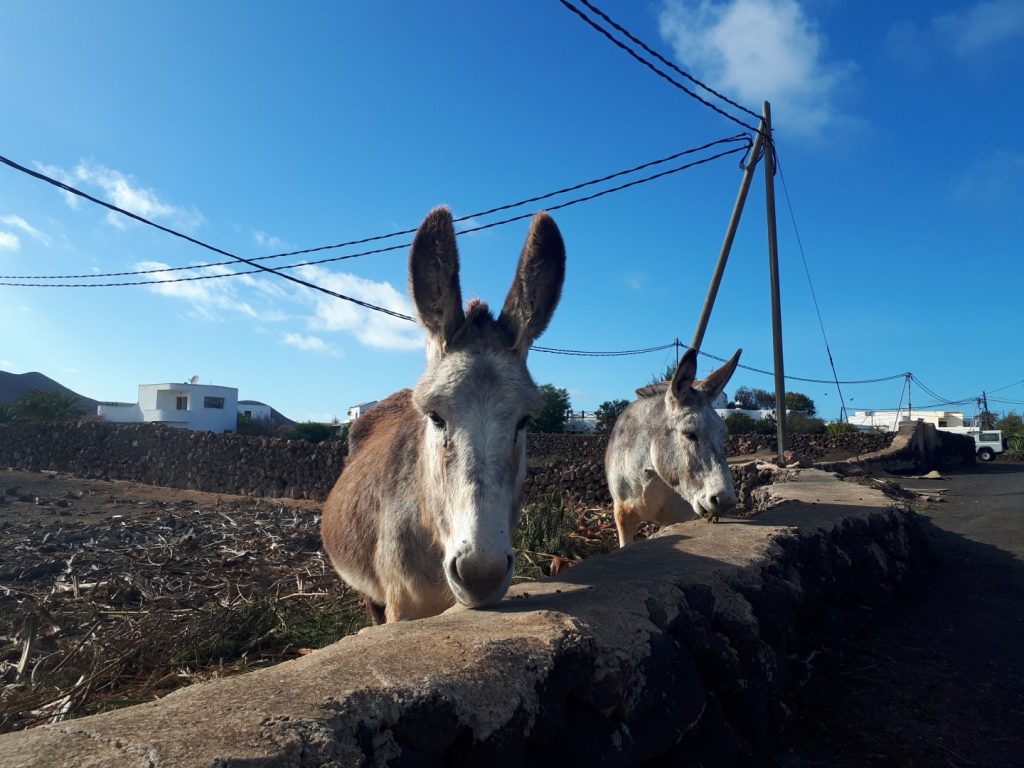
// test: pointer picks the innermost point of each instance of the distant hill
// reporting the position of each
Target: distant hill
(15, 385)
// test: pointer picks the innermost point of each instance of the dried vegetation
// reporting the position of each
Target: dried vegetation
(108, 600)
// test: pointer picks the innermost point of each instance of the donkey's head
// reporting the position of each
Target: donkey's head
(476, 398)
(688, 447)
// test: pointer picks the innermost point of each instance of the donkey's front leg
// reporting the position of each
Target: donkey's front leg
(627, 521)
(403, 605)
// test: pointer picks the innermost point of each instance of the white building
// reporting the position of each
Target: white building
(201, 407)
(890, 421)
(256, 411)
(358, 410)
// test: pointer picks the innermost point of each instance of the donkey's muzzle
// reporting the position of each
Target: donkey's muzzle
(479, 579)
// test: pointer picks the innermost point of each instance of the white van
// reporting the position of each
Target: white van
(987, 442)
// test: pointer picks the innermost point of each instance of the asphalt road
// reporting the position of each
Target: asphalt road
(937, 678)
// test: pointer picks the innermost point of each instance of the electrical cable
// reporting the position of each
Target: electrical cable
(807, 271)
(260, 268)
(665, 76)
(175, 233)
(665, 61)
(744, 138)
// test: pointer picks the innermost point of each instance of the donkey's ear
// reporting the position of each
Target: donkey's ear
(682, 380)
(434, 277)
(713, 385)
(537, 286)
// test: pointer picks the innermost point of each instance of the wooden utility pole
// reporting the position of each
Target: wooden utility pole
(730, 234)
(773, 269)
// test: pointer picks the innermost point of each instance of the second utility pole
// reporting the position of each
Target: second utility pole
(773, 269)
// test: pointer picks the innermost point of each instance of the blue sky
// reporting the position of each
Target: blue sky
(262, 127)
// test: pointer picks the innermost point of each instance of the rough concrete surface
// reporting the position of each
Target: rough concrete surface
(683, 649)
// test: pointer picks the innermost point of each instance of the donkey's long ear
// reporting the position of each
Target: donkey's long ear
(713, 385)
(537, 286)
(434, 277)
(682, 380)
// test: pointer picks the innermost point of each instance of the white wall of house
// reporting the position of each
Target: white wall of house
(358, 410)
(755, 413)
(201, 407)
(256, 411)
(890, 420)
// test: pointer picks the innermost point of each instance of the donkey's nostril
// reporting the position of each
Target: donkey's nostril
(714, 501)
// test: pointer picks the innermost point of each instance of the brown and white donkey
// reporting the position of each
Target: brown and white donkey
(424, 510)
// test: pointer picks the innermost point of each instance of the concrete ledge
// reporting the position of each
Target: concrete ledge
(684, 647)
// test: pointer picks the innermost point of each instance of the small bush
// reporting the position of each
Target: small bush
(801, 423)
(311, 432)
(840, 428)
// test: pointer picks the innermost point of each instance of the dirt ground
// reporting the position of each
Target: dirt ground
(113, 593)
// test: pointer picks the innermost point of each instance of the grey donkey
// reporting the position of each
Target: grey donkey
(666, 457)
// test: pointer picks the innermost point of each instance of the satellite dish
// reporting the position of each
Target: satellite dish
(194, 379)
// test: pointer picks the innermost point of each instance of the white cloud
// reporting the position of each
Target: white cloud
(16, 221)
(120, 189)
(61, 175)
(310, 344)
(981, 27)
(9, 241)
(269, 241)
(375, 329)
(205, 296)
(756, 50)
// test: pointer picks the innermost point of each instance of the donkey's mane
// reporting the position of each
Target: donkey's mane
(478, 326)
(653, 389)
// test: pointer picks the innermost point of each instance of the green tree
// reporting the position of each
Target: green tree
(987, 420)
(669, 372)
(608, 413)
(5, 414)
(1010, 424)
(739, 424)
(555, 412)
(796, 401)
(311, 431)
(46, 405)
(752, 398)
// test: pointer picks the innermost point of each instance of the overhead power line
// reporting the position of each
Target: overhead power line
(591, 353)
(618, 27)
(746, 143)
(175, 233)
(739, 138)
(661, 73)
(810, 283)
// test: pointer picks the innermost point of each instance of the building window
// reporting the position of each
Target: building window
(247, 414)
(942, 423)
(213, 402)
(182, 403)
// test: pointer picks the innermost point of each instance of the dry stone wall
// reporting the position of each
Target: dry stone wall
(275, 467)
(177, 458)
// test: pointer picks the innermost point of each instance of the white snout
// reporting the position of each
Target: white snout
(479, 576)
(713, 502)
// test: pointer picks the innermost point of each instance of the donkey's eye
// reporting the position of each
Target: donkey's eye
(691, 436)
(436, 420)
(523, 423)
